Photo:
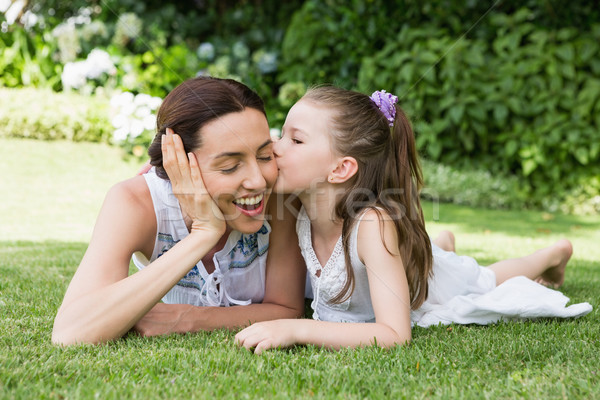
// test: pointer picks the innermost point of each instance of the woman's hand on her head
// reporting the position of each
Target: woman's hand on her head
(186, 180)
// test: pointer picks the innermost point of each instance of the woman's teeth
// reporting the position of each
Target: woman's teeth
(249, 201)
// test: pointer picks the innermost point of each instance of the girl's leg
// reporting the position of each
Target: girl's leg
(545, 266)
(445, 241)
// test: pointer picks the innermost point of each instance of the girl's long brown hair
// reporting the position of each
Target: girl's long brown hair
(389, 177)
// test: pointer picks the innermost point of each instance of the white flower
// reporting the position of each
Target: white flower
(29, 20)
(76, 73)
(206, 51)
(136, 128)
(12, 10)
(129, 26)
(149, 122)
(240, 50)
(142, 99)
(128, 109)
(134, 114)
(93, 29)
(265, 61)
(119, 121)
(142, 111)
(97, 63)
(67, 40)
(73, 75)
(154, 103)
(121, 133)
(121, 99)
(4, 5)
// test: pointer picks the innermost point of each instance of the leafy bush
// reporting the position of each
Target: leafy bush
(526, 103)
(45, 115)
(26, 60)
(326, 40)
(480, 188)
(475, 188)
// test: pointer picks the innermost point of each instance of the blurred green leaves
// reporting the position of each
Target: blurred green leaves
(523, 102)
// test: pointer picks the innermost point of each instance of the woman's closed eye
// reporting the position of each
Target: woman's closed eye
(265, 157)
(231, 169)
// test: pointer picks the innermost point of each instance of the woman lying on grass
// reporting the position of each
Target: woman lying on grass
(199, 238)
(352, 161)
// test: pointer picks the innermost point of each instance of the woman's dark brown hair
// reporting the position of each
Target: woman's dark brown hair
(193, 104)
(388, 178)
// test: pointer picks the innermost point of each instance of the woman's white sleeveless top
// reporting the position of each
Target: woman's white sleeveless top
(239, 275)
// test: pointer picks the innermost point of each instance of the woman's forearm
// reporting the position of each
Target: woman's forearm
(108, 312)
(209, 318)
(164, 319)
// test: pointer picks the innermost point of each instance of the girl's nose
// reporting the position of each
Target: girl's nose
(277, 147)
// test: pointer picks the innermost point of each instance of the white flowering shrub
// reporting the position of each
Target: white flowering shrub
(76, 74)
(134, 120)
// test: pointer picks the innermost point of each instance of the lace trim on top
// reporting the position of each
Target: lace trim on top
(333, 274)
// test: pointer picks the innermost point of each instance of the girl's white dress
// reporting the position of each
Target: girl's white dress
(460, 291)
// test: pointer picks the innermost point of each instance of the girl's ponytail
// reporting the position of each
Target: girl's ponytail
(403, 171)
(405, 163)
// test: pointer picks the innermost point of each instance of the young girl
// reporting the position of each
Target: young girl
(351, 159)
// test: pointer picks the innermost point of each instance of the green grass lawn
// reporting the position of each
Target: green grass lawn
(51, 193)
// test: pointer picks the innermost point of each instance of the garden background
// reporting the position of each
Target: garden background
(505, 100)
(504, 95)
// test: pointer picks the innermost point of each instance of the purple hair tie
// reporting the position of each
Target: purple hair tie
(386, 104)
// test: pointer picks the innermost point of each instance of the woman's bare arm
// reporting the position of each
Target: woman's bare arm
(102, 302)
(284, 289)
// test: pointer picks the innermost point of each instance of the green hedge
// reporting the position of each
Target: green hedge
(525, 103)
(476, 188)
(511, 90)
(46, 115)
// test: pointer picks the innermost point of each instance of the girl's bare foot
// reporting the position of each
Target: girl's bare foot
(445, 241)
(554, 276)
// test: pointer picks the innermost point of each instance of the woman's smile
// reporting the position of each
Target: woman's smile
(251, 206)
